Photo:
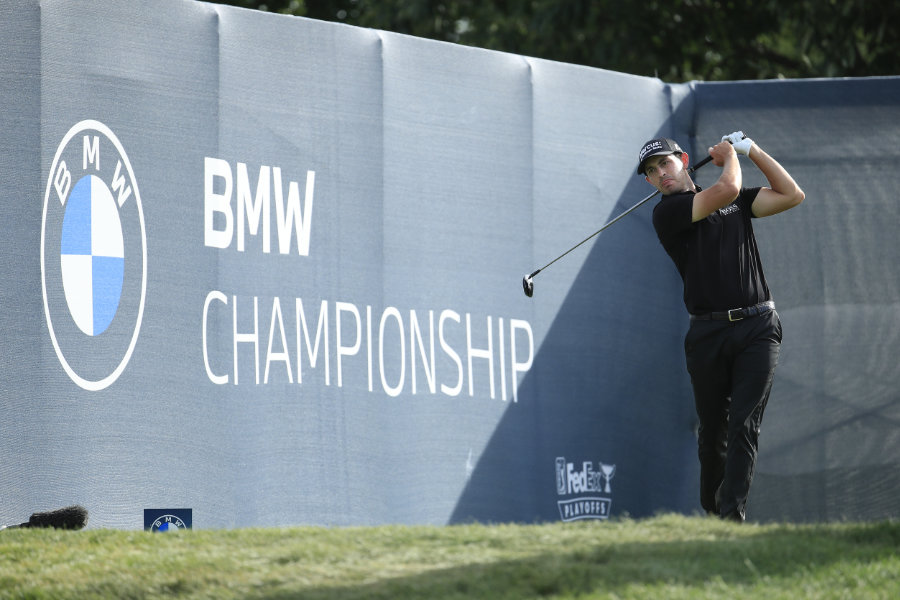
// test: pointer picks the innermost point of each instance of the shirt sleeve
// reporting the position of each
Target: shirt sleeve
(746, 198)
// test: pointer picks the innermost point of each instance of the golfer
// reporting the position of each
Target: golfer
(734, 337)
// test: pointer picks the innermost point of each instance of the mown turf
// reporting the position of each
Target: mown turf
(664, 557)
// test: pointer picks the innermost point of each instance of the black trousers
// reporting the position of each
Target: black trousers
(732, 365)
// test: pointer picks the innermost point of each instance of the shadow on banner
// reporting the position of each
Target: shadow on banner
(605, 421)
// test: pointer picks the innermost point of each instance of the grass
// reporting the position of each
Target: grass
(668, 556)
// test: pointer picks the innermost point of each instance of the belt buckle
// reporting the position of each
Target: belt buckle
(740, 317)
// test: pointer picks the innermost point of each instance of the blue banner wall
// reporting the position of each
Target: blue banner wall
(830, 444)
(269, 269)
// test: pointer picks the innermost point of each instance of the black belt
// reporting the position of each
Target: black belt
(736, 314)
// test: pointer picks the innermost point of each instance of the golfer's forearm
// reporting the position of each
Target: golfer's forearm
(779, 179)
(721, 193)
(728, 186)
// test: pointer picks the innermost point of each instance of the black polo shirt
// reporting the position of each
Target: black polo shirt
(717, 256)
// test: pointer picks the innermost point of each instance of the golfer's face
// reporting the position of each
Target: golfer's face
(666, 173)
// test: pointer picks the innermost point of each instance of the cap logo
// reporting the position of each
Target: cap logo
(650, 147)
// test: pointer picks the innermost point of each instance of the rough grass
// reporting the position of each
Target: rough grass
(664, 557)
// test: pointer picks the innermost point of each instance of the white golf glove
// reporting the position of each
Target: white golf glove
(739, 141)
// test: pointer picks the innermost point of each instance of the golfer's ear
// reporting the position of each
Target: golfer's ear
(685, 159)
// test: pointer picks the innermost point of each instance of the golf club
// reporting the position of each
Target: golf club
(528, 280)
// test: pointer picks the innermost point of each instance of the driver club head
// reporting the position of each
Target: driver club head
(528, 286)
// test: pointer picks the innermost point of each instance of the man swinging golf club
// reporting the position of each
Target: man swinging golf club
(734, 337)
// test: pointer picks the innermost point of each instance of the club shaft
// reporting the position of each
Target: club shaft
(627, 212)
(590, 237)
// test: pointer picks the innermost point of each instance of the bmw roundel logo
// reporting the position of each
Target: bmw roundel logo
(168, 524)
(93, 255)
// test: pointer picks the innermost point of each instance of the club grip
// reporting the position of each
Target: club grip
(700, 164)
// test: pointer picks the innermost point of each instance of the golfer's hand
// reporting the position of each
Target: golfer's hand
(741, 143)
(721, 152)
